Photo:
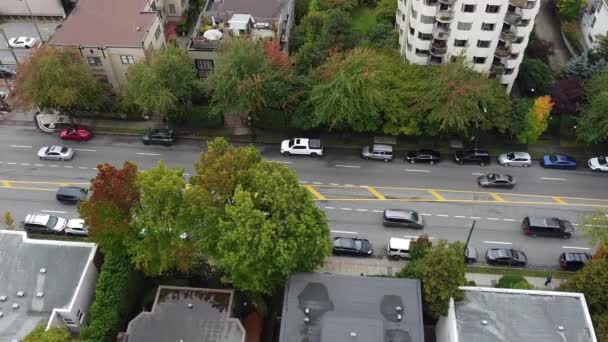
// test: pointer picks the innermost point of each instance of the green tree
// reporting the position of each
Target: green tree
(569, 9)
(592, 125)
(386, 9)
(583, 67)
(420, 247)
(535, 74)
(56, 78)
(591, 280)
(345, 5)
(600, 49)
(513, 281)
(162, 83)
(600, 323)
(536, 121)
(595, 229)
(54, 334)
(383, 35)
(519, 113)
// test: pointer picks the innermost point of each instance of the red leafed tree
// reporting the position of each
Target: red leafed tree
(567, 94)
(108, 211)
(276, 55)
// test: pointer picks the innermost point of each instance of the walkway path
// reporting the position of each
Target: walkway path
(548, 28)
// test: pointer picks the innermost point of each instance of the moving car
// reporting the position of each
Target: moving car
(76, 227)
(495, 180)
(470, 255)
(22, 42)
(472, 156)
(515, 159)
(377, 152)
(506, 257)
(573, 261)
(556, 161)
(398, 248)
(159, 136)
(44, 224)
(352, 246)
(302, 146)
(423, 156)
(402, 218)
(56, 153)
(547, 226)
(71, 194)
(78, 133)
(598, 163)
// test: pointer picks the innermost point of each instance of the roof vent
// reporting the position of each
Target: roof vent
(190, 306)
(20, 294)
(399, 317)
(138, 28)
(43, 270)
(306, 319)
(2, 298)
(560, 328)
(398, 308)
(15, 306)
(307, 311)
(1, 314)
(353, 334)
(484, 322)
(39, 294)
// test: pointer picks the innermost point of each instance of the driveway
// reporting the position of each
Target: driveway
(547, 28)
(19, 29)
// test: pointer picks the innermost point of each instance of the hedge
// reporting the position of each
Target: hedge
(512, 281)
(199, 116)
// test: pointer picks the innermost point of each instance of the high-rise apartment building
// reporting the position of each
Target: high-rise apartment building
(490, 34)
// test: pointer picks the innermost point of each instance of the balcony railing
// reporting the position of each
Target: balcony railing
(514, 17)
(445, 16)
(441, 33)
(503, 51)
(518, 3)
(435, 60)
(508, 34)
(438, 50)
(498, 69)
(447, 2)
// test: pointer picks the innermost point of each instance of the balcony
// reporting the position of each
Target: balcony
(445, 16)
(518, 3)
(513, 17)
(435, 60)
(502, 51)
(447, 2)
(438, 49)
(498, 69)
(441, 33)
(508, 34)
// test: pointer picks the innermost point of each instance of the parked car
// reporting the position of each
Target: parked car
(302, 146)
(515, 159)
(76, 227)
(398, 248)
(23, 42)
(402, 218)
(506, 257)
(377, 152)
(44, 224)
(71, 194)
(598, 163)
(472, 156)
(352, 246)
(495, 180)
(159, 136)
(423, 156)
(547, 226)
(56, 153)
(573, 261)
(78, 133)
(470, 255)
(556, 161)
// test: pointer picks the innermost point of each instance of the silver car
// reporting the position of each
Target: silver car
(56, 153)
(515, 159)
(76, 227)
(378, 152)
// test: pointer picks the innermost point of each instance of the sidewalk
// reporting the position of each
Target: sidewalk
(548, 28)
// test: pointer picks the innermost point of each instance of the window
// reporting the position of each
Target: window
(518, 40)
(183, 3)
(593, 21)
(94, 61)
(412, 31)
(468, 8)
(524, 23)
(425, 36)
(484, 43)
(479, 60)
(414, 14)
(487, 26)
(460, 42)
(530, 4)
(127, 59)
(492, 9)
(420, 52)
(509, 71)
(403, 17)
(79, 315)
(425, 19)
(157, 33)
(514, 56)
(590, 37)
(409, 47)
(462, 26)
(204, 64)
(401, 33)
(172, 8)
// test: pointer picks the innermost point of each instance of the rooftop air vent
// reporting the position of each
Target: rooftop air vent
(20, 294)
(560, 328)
(398, 308)
(2, 298)
(190, 306)
(353, 334)
(1, 314)
(399, 317)
(43, 270)
(306, 319)
(307, 311)
(484, 322)
(39, 294)
(15, 306)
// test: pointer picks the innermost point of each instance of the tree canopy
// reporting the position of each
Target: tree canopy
(567, 94)
(536, 120)
(54, 334)
(592, 125)
(535, 77)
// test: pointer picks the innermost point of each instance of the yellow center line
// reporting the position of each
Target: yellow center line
(26, 188)
(376, 193)
(51, 183)
(6, 184)
(315, 193)
(497, 197)
(559, 200)
(467, 201)
(436, 195)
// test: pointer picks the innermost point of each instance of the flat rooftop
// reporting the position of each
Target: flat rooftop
(260, 10)
(501, 315)
(21, 261)
(340, 307)
(93, 23)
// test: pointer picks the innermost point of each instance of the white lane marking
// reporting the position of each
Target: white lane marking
(498, 242)
(442, 215)
(509, 220)
(54, 211)
(415, 237)
(475, 217)
(20, 146)
(84, 150)
(344, 232)
(378, 211)
(68, 166)
(492, 219)
(334, 184)
(550, 178)
(477, 174)
(362, 210)
(53, 165)
(12, 163)
(303, 182)
(425, 214)
(25, 164)
(572, 247)
(83, 167)
(348, 185)
(317, 183)
(460, 217)
(415, 170)
(148, 154)
(350, 166)
(330, 208)
(38, 164)
(346, 209)
(1, 162)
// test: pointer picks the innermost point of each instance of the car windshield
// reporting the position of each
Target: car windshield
(64, 149)
(510, 155)
(491, 176)
(602, 160)
(357, 244)
(292, 142)
(52, 221)
(414, 216)
(553, 158)
(504, 253)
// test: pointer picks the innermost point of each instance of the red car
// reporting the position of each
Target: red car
(78, 133)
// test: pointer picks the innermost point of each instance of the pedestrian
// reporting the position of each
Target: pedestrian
(548, 281)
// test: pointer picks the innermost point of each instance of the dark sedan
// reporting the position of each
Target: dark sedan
(494, 180)
(423, 156)
(573, 261)
(352, 246)
(556, 161)
(506, 257)
(71, 194)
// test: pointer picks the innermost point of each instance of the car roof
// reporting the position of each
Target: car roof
(382, 147)
(75, 223)
(55, 148)
(544, 221)
(70, 190)
(161, 131)
(399, 213)
(563, 157)
(577, 256)
(37, 218)
(521, 155)
(399, 243)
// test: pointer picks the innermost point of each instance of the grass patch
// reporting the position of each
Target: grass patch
(363, 19)
(120, 130)
(520, 272)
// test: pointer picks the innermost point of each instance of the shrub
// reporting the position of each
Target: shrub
(272, 119)
(54, 334)
(512, 281)
(199, 116)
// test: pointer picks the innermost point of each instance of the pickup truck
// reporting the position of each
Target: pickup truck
(302, 146)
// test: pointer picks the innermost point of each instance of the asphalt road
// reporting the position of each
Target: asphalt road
(351, 190)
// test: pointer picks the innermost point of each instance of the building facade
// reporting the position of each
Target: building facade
(594, 22)
(490, 34)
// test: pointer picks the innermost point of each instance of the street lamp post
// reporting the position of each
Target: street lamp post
(34, 21)
(466, 244)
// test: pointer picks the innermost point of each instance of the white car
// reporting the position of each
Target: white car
(22, 42)
(76, 227)
(55, 153)
(302, 146)
(515, 159)
(44, 224)
(598, 163)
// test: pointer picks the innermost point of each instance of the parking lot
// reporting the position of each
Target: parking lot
(14, 29)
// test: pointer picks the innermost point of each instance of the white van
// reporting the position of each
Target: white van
(398, 248)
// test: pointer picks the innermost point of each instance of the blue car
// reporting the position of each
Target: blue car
(556, 161)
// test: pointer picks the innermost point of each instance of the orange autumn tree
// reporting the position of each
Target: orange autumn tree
(537, 120)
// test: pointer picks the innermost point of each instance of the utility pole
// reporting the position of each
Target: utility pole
(464, 251)
(10, 48)
(34, 21)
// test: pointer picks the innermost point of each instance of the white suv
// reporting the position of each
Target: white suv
(45, 224)
(598, 163)
(302, 146)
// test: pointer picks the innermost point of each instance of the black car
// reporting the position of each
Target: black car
(159, 136)
(547, 226)
(573, 261)
(494, 180)
(352, 246)
(506, 257)
(423, 156)
(470, 255)
(472, 156)
(71, 194)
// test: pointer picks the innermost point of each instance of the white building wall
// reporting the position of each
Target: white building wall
(446, 329)
(594, 21)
